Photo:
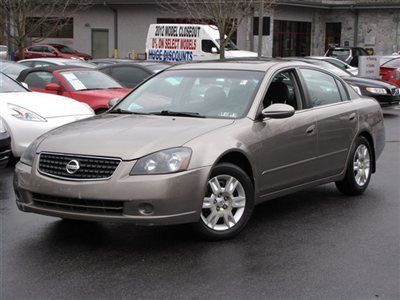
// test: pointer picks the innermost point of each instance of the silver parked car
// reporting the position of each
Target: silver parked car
(203, 143)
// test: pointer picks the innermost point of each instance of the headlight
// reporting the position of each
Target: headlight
(25, 114)
(163, 162)
(30, 152)
(376, 90)
(357, 89)
(2, 126)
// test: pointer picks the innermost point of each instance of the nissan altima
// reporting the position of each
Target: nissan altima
(203, 143)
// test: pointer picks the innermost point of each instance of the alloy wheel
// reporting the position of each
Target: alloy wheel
(224, 203)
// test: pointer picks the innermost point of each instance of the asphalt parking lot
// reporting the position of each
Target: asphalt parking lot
(315, 244)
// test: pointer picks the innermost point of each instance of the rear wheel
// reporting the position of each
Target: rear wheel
(228, 203)
(359, 169)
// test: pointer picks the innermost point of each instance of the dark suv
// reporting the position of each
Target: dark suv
(347, 54)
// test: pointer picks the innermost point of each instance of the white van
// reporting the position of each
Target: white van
(187, 42)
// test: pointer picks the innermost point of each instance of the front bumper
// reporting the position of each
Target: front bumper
(5, 149)
(143, 200)
(385, 99)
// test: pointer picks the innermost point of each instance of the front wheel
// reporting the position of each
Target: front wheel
(358, 173)
(228, 203)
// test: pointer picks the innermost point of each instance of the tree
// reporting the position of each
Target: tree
(227, 15)
(21, 19)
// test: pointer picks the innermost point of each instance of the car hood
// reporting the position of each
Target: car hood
(127, 136)
(239, 53)
(46, 105)
(368, 82)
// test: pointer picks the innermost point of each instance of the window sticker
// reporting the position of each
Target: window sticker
(74, 81)
(227, 114)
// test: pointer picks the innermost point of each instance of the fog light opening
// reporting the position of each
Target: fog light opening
(146, 209)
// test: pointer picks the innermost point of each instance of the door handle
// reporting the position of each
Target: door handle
(352, 116)
(310, 130)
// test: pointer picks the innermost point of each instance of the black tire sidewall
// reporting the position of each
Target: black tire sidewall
(239, 174)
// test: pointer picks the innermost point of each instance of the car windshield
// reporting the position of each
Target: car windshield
(229, 46)
(81, 80)
(8, 85)
(202, 93)
(341, 54)
(12, 69)
(394, 63)
(331, 68)
(64, 49)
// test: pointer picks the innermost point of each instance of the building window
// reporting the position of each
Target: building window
(291, 38)
(266, 25)
(332, 35)
(48, 29)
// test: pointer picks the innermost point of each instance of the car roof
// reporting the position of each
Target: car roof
(46, 59)
(250, 64)
(51, 69)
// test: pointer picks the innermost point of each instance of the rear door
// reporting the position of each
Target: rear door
(337, 119)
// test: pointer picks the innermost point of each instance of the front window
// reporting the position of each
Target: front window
(8, 85)
(64, 49)
(83, 80)
(206, 93)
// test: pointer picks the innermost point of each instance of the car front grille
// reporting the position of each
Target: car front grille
(76, 167)
(102, 207)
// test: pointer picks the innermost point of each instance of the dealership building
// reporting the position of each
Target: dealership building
(291, 27)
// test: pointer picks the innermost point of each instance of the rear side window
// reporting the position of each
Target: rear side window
(35, 49)
(129, 76)
(39, 79)
(322, 88)
(342, 90)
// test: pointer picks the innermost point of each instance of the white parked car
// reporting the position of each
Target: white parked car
(27, 115)
(338, 63)
(11, 68)
(45, 62)
(3, 52)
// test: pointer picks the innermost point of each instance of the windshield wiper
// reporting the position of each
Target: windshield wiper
(127, 112)
(178, 114)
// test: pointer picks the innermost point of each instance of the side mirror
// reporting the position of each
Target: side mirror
(278, 111)
(113, 102)
(25, 85)
(53, 87)
(214, 50)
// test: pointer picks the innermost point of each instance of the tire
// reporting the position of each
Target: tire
(356, 181)
(225, 212)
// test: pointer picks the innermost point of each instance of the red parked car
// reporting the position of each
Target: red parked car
(86, 85)
(390, 71)
(51, 50)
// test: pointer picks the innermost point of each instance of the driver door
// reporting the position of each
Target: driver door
(288, 147)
